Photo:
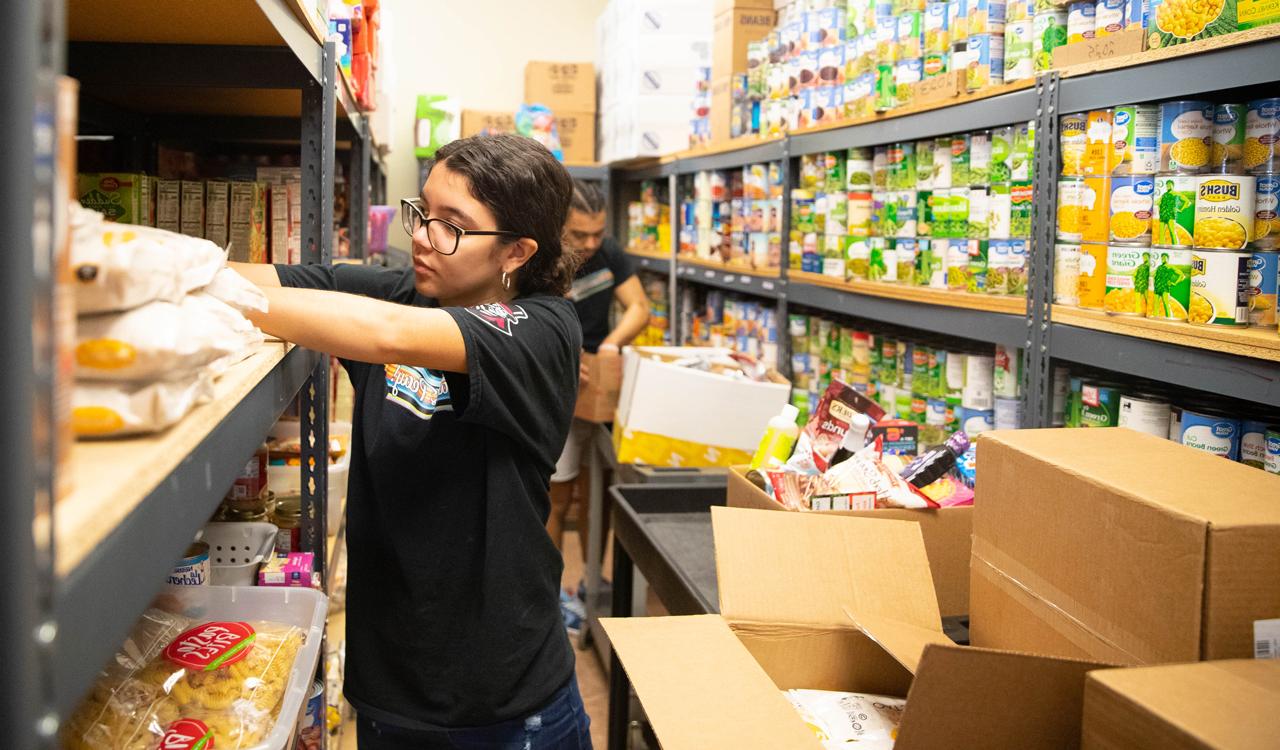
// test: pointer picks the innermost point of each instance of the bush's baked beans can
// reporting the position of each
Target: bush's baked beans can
(1226, 153)
(1135, 139)
(1145, 413)
(1126, 284)
(1219, 288)
(1169, 283)
(1264, 276)
(1132, 203)
(1266, 220)
(1225, 211)
(1071, 142)
(1066, 274)
(1091, 286)
(1186, 129)
(1262, 135)
(1173, 221)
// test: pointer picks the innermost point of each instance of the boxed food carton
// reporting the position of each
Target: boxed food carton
(598, 400)
(709, 415)
(217, 211)
(567, 86)
(577, 136)
(123, 197)
(480, 122)
(284, 199)
(834, 603)
(248, 222)
(1120, 546)
(734, 29)
(192, 209)
(1228, 703)
(169, 205)
(946, 534)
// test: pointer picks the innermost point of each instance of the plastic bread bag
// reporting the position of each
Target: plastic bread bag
(104, 410)
(236, 291)
(162, 340)
(855, 721)
(217, 682)
(122, 266)
(869, 470)
(537, 122)
(825, 431)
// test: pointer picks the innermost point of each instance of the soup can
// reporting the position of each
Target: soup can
(1226, 153)
(1253, 441)
(1262, 135)
(1225, 211)
(1091, 286)
(1219, 288)
(1145, 413)
(1099, 404)
(1132, 204)
(1264, 276)
(1169, 283)
(193, 569)
(1266, 221)
(1186, 129)
(1211, 431)
(1128, 267)
(1066, 274)
(1008, 414)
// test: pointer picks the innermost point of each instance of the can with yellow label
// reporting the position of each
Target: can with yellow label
(1071, 142)
(1225, 209)
(1126, 280)
(1219, 288)
(1070, 207)
(1097, 142)
(1091, 288)
(1095, 211)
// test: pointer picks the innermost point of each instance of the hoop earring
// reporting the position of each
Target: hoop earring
(506, 281)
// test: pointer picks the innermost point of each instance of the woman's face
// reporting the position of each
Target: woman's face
(473, 274)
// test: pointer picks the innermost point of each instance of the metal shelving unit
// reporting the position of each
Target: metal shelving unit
(727, 279)
(147, 71)
(653, 265)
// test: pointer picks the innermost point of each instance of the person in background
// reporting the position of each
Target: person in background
(605, 275)
(464, 367)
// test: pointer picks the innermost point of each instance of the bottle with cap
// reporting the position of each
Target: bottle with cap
(929, 467)
(855, 439)
(779, 438)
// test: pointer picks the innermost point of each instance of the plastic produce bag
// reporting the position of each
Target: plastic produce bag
(536, 121)
(852, 721)
(163, 341)
(117, 409)
(174, 683)
(123, 266)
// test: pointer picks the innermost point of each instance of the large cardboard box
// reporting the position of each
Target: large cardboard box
(723, 6)
(598, 400)
(733, 31)
(946, 531)
(561, 86)
(721, 109)
(670, 415)
(1184, 706)
(834, 603)
(481, 122)
(1120, 546)
(577, 136)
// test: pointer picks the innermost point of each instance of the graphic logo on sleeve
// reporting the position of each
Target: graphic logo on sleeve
(423, 392)
(499, 316)
(591, 285)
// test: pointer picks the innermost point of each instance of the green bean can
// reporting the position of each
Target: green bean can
(980, 155)
(959, 222)
(880, 167)
(1099, 404)
(960, 147)
(1022, 156)
(979, 213)
(1020, 208)
(1002, 154)
(1000, 212)
(1169, 283)
(925, 205)
(942, 177)
(924, 165)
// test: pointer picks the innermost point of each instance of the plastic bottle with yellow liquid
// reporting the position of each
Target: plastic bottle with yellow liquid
(779, 438)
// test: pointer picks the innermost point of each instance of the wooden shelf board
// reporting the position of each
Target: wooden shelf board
(304, 11)
(1007, 305)
(915, 109)
(725, 147)
(171, 22)
(111, 477)
(1255, 343)
(653, 256)
(772, 273)
(1168, 53)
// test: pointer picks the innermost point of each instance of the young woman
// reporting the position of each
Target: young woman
(465, 368)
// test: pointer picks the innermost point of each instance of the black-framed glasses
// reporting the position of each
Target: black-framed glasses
(443, 235)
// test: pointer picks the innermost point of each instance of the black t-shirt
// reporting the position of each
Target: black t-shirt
(453, 615)
(592, 291)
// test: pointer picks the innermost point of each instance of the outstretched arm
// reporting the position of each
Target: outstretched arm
(631, 294)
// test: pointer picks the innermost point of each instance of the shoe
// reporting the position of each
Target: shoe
(573, 615)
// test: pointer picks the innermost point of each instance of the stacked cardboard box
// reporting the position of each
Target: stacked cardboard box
(737, 24)
(484, 122)
(568, 89)
(653, 54)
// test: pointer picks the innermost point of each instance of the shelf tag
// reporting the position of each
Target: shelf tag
(767, 286)
(728, 278)
(710, 274)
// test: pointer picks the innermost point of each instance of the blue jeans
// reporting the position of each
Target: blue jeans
(562, 724)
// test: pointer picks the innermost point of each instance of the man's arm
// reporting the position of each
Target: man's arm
(631, 294)
(262, 275)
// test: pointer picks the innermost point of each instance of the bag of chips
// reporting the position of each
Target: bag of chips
(849, 721)
(163, 340)
(176, 683)
(116, 409)
(825, 431)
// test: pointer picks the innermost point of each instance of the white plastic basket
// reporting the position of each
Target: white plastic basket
(302, 608)
(287, 480)
(236, 550)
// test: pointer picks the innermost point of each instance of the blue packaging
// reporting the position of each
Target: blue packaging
(1273, 451)
(1264, 278)
(1211, 432)
(1253, 442)
(975, 421)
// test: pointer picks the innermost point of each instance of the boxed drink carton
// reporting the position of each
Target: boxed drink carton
(192, 209)
(123, 197)
(1228, 703)
(834, 603)
(671, 415)
(1120, 546)
(169, 205)
(567, 86)
(946, 534)
(248, 222)
(217, 207)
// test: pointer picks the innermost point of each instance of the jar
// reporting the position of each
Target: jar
(287, 517)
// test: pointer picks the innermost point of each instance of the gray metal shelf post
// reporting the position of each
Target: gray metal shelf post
(358, 192)
(673, 288)
(1038, 371)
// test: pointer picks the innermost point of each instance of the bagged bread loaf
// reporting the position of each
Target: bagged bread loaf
(101, 409)
(174, 683)
(163, 340)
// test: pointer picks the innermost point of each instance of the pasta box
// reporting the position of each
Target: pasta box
(866, 622)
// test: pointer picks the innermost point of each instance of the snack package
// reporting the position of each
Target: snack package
(537, 122)
(163, 340)
(793, 490)
(844, 721)
(948, 492)
(174, 684)
(236, 291)
(117, 409)
(824, 433)
(122, 266)
(870, 470)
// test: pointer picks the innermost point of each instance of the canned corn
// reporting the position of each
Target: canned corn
(1095, 213)
(1186, 128)
(1097, 142)
(1169, 283)
(1131, 207)
(1126, 282)
(1091, 286)
(1173, 222)
(1219, 282)
(1264, 275)
(1081, 20)
(1049, 31)
(1262, 135)
(1227, 151)
(1071, 201)
(1225, 211)
(1135, 139)
(1071, 142)
(1266, 221)
(1066, 274)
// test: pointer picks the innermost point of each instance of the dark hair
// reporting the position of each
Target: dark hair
(588, 198)
(528, 192)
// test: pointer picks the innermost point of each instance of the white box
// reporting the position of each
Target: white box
(169, 205)
(661, 398)
(217, 206)
(192, 209)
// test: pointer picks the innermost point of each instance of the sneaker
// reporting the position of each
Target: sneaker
(573, 615)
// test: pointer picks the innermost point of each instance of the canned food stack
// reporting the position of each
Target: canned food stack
(1168, 211)
(723, 320)
(937, 384)
(1246, 433)
(649, 221)
(734, 217)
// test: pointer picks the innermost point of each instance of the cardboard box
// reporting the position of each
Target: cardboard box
(678, 416)
(567, 86)
(598, 401)
(799, 609)
(733, 31)
(577, 136)
(217, 212)
(1210, 704)
(723, 6)
(248, 222)
(946, 531)
(192, 209)
(121, 197)
(480, 122)
(169, 205)
(722, 109)
(1127, 42)
(1120, 546)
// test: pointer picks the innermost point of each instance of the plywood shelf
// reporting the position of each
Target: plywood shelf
(993, 303)
(915, 109)
(1170, 53)
(762, 273)
(1254, 343)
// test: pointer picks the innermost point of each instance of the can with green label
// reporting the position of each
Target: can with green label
(925, 205)
(1020, 208)
(960, 146)
(1127, 269)
(1002, 154)
(924, 165)
(1099, 404)
(1174, 221)
(1169, 283)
